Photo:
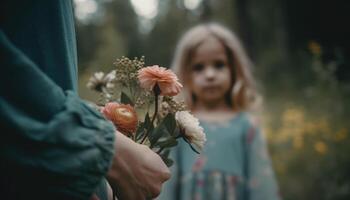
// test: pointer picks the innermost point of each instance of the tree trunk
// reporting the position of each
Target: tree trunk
(244, 24)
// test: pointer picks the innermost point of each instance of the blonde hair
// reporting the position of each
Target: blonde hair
(243, 95)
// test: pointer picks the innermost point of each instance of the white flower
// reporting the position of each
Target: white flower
(111, 75)
(99, 81)
(193, 132)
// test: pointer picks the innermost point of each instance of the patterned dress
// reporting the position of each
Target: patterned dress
(234, 165)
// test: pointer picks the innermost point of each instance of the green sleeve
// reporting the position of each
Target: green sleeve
(52, 143)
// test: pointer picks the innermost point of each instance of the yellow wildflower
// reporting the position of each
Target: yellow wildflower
(341, 135)
(321, 147)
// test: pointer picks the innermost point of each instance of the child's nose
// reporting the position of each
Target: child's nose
(209, 72)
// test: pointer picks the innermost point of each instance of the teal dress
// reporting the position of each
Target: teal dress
(234, 165)
(53, 145)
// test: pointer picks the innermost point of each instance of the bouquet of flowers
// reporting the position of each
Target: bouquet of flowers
(140, 102)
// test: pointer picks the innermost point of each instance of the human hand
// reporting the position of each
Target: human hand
(137, 172)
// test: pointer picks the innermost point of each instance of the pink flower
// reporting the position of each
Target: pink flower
(166, 80)
(123, 116)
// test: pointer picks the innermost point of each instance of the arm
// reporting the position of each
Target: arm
(48, 135)
(259, 173)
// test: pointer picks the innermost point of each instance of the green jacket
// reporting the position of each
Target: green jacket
(53, 145)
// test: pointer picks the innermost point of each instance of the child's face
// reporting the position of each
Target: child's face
(210, 78)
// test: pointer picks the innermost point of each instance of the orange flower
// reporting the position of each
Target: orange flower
(123, 116)
(166, 80)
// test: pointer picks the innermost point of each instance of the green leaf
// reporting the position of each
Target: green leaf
(165, 128)
(170, 123)
(146, 127)
(165, 157)
(157, 133)
(177, 133)
(124, 99)
(170, 142)
(140, 131)
(166, 153)
(169, 162)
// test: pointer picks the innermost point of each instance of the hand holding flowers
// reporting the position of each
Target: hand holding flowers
(140, 89)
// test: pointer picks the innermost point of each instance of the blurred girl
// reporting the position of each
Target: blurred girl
(219, 89)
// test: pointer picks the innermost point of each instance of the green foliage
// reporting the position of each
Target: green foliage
(165, 129)
(309, 135)
(169, 142)
(143, 127)
(124, 99)
(170, 123)
(165, 156)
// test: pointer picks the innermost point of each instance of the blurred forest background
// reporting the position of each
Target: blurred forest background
(301, 54)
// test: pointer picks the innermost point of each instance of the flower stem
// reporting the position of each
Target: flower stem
(144, 138)
(155, 108)
(189, 143)
(160, 150)
(100, 99)
(156, 94)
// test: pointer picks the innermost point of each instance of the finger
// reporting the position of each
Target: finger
(164, 170)
(166, 175)
(154, 191)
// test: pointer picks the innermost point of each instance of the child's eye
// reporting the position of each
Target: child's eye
(197, 67)
(219, 64)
